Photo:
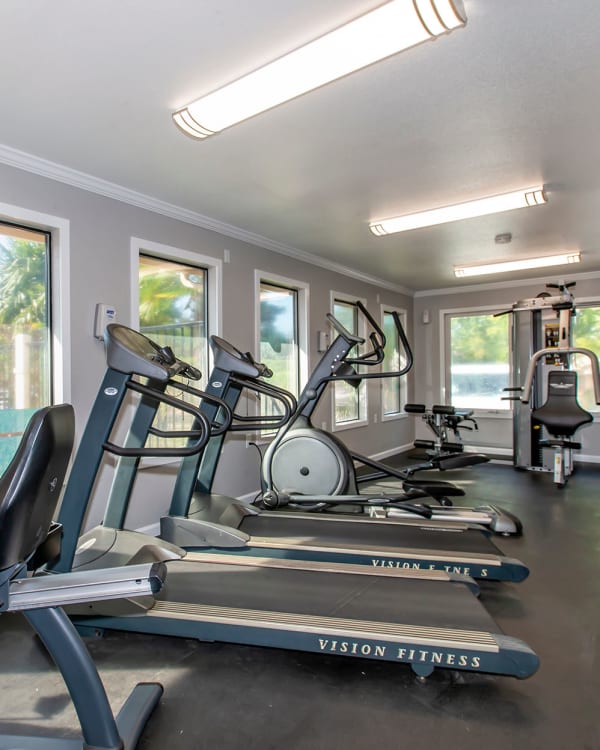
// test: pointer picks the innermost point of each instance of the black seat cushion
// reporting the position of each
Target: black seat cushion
(562, 415)
(30, 487)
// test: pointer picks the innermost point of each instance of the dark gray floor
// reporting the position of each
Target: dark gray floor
(233, 697)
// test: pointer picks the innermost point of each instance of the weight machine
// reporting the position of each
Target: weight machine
(546, 412)
(445, 422)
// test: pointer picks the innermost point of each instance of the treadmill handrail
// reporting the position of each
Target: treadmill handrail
(216, 428)
(201, 431)
(262, 422)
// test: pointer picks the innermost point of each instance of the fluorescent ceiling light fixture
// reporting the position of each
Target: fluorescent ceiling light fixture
(382, 32)
(531, 196)
(518, 265)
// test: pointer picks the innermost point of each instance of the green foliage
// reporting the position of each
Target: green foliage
(167, 297)
(479, 338)
(586, 328)
(586, 334)
(22, 282)
(276, 321)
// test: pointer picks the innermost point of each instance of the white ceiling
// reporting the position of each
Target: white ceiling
(509, 101)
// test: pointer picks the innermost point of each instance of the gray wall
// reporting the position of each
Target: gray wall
(100, 233)
(493, 432)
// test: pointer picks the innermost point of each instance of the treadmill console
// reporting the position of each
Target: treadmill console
(132, 353)
(230, 359)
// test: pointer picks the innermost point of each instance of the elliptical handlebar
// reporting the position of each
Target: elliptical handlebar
(377, 353)
(343, 331)
(377, 338)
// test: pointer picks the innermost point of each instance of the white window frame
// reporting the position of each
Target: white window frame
(214, 269)
(302, 288)
(444, 356)
(590, 302)
(60, 294)
(403, 385)
(363, 390)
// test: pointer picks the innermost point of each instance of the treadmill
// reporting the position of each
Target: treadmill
(198, 519)
(423, 618)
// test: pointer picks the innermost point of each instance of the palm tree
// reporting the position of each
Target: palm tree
(23, 299)
(168, 296)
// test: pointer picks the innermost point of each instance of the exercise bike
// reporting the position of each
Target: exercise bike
(308, 468)
(29, 492)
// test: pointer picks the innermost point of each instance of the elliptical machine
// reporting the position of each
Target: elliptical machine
(308, 468)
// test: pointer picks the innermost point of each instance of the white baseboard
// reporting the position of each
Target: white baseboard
(391, 452)
(582, 458)
(489, 449)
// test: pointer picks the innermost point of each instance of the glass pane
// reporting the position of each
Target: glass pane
(279, 340)
(173, 312)
(347, 314)
(25, 366)
(391, 387)
(479, 361)
(347, 399)
(586, 334)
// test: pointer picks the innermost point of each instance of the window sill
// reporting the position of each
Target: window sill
(339, 427)
(492, 414)
(394, 417)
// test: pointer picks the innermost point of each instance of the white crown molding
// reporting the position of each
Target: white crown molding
(44, 168)
(503, 284)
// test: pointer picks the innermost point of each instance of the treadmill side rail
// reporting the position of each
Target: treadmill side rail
(86, 586)
(423, 648)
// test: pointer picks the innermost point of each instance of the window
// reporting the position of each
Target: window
(25, 340)
(586, 334)
(393, 390)
(350, 401)
(279, 335)
(477, 361)
(281, 316)
(173, 307)
(175, 297)
(172, 310)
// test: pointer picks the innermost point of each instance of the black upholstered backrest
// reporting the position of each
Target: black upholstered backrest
(30, 487)
(562, 415)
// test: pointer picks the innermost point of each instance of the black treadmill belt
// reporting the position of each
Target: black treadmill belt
(360, 597)
(367, 534)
